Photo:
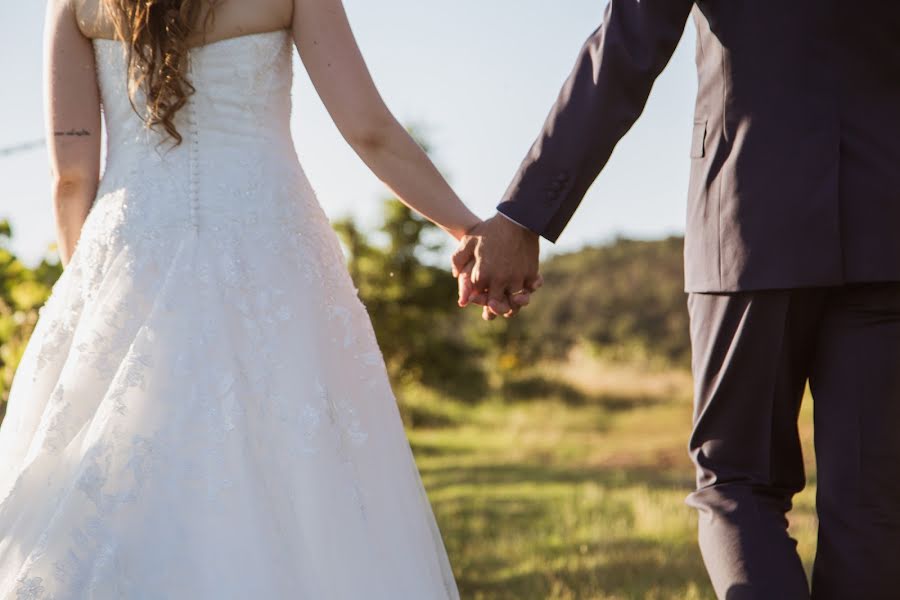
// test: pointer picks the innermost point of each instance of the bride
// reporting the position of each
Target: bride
(203, 410)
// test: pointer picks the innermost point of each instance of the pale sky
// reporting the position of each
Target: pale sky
(477, 76)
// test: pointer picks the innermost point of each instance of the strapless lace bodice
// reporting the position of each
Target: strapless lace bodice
(235, 180)
(235, 128)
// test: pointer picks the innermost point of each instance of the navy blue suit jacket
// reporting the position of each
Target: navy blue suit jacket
(795, 153)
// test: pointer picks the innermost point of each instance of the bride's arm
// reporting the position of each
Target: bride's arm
(340, 76)
(72, 122)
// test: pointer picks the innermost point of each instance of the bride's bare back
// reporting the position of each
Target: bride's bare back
(233, 18)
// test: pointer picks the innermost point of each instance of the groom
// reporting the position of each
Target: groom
(792, 264)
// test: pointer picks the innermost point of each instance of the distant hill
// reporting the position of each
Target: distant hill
(625, 299)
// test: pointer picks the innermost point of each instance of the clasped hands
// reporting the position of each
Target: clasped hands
(496, 266)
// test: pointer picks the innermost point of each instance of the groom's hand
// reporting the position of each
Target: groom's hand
(517, 302)
(497, 265)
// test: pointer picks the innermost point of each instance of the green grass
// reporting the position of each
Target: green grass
(570, 483)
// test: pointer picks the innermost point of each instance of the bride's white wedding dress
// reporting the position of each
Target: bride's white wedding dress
(203, 411)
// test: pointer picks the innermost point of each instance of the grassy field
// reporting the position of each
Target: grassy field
(571, 484)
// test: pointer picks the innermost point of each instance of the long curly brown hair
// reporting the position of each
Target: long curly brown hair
(155, 33)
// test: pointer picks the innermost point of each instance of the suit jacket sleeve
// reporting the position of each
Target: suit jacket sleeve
(598, 104)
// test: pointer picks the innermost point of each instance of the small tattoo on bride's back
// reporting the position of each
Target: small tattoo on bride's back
(72, 132)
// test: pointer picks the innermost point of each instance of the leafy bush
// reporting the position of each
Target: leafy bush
(23, 291)
(411, 302)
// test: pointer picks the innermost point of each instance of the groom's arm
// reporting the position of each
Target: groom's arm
(599, 103)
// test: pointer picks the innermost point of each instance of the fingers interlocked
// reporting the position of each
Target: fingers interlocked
(496, 268)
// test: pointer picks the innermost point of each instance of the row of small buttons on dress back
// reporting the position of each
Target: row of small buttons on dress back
(193, 165)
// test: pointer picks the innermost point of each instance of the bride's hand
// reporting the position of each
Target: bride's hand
(497, 262)
(472, 223)
(516, 301)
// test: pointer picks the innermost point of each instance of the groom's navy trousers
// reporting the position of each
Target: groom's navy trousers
(791, 247)
(753, 353)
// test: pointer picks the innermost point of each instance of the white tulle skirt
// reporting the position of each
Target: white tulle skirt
(203, 413)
